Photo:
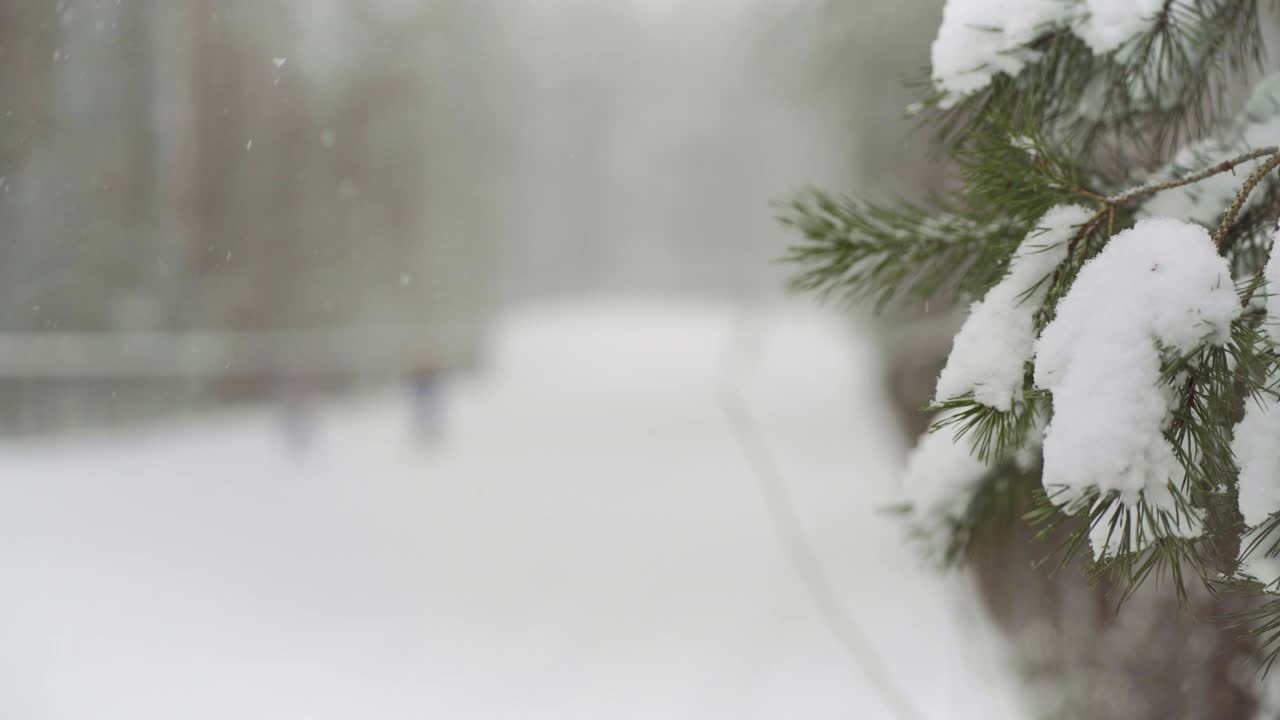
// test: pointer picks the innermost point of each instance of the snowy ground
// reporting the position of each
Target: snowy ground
(587, 541)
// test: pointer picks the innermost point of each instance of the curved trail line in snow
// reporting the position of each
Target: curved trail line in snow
(788, 528)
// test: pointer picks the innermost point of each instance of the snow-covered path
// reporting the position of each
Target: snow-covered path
(587, 541)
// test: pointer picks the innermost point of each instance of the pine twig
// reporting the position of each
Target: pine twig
(1224, 166)
(1243, 196)
(1109, 204)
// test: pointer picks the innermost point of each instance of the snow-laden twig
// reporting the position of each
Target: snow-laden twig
(991, 350)
(1159, 287)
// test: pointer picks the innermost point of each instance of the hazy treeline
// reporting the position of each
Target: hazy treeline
(292, 164)
(214, 165)
(219, 164)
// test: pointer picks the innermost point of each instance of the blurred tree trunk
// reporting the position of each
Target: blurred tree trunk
(28, 38)
(29, 34)
(179, 51)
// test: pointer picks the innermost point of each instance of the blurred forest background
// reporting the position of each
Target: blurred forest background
(246, 172)
(560, 212)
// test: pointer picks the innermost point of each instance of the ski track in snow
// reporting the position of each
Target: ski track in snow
(586, 541)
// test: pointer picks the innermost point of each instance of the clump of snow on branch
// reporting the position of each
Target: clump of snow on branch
(1255, 445)
(1110, 23)
(1159, 286)
(1258, 453)
(941, 478)
(990, 352)
(979, 39)
(1205, 201)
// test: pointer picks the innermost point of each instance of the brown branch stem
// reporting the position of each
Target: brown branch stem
(1219, 168)
(1243, 196)
(1110, 204)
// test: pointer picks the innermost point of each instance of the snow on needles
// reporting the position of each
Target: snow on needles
(980, 38)
(1110, 23)
(1254, 444)
(941, 477)
(1159, 285)
(991, 350)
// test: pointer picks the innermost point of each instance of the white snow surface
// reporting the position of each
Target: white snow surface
(1160, 282)
(1110, 23)
(586, 541)
(991, 350)
(979, 39)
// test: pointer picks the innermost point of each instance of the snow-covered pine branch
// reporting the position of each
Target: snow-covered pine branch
(980, 38)
(1157, 289)
(993, 347)
(1140, 76)
(1108, 226)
